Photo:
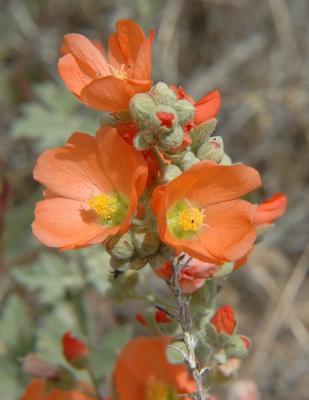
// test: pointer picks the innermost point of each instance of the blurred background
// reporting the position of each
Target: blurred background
(256, 52)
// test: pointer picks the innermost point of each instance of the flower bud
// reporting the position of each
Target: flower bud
(188, 160)
(141, 106)
(123, 286)
(140, 143)
(169, 173)
(236, 347)
(201, 133)
(224, 320)
(185, 111)
(211, 150)
(156, 260)
(169, 141)
(163, 120)
(75, 351)
(121, 247)
(146, 241)
(226, 160)
(162, 94)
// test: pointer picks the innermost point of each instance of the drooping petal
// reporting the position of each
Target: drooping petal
(68, 224)
(71, 74)
(271, 209)
(112, 94)
(86, 54)
(73, 171)
(208, 183)
(207, 107)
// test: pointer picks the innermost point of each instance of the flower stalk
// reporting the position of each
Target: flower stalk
(184, 317)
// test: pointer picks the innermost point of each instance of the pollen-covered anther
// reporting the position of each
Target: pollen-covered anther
(160, 391)
(106, 206)
(190, 219)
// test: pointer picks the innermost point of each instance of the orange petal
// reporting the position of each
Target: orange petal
(208, 183)
(67, 224)
(124, 45)
(73, 171)
(207, 107)
(271, 209)
(38, 390)
(157, 196)
(71, 74)
(128, 172)
(142, 65)
(88, 57)
(112, 94)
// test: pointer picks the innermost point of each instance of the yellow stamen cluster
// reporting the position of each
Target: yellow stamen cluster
(159, 391)
(119, 73)
(106, 206)
(190, 219)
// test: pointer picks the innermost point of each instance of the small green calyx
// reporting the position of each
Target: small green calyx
(110, 209)
(185, 221)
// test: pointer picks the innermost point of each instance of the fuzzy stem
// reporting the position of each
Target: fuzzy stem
(94, 382)
(184, 317)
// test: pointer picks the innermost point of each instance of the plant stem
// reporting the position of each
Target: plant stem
(184, 317)
(94, 382)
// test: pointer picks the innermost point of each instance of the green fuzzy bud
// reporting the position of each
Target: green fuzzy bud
(201, 133)
(221, 357)
(65, 380)
(141, 106)
(162, 94)
(123, 286)
(146, 241)
(235, 347)
(157, 123)
(121, 247)
(169, 173)
(123, 116)
(188, 160)
(177, 353)
(211, 150)
(140, 143)
(169, 141)
(226, 160)
(185, 111)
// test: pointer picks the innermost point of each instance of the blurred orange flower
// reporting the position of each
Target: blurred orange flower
(142, 372)
(200, 212)
(37, 390)
(91, 191)
(224, 320)
(107, 84)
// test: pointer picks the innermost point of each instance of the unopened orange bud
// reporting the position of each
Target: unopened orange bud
(75, 351)
(224, 320)
(162, 317)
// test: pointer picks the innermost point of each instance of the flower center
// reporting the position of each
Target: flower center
(184, 220)
(160, 391)
(190, 219)
(119, 73)
(111, 209)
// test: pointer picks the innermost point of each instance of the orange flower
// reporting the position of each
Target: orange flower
(37, 390)
(270, 210)
(107, 85)
(142, 372)
(91, 191)
(200, 212)
(224, 320)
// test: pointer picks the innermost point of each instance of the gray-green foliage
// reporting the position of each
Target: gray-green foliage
(53, 116)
